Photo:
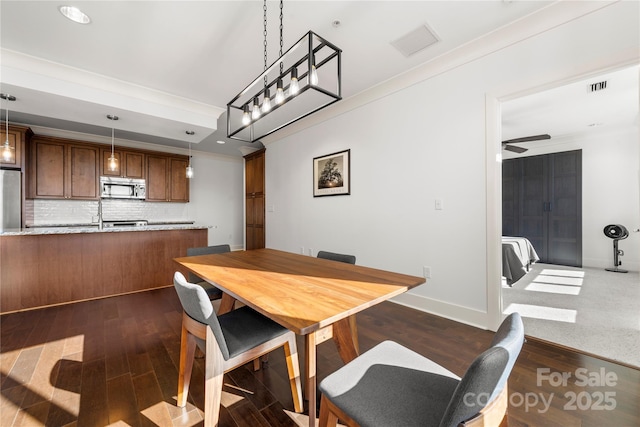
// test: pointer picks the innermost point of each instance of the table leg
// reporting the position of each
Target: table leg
(310, 365)
(226, 303)
(345, 336)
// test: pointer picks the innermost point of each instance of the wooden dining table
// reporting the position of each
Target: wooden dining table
(313, 297)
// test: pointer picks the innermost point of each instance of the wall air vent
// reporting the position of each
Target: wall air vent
(595, 87)
(415, 41)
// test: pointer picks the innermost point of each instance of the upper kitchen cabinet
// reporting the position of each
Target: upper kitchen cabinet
(131, 164)
(18, 136)
(62, 169)
(167, 178)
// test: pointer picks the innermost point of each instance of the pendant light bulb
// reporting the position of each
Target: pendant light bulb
(6, 151)
(246, 118)
(294, 86)
(189, 168)
(255, 112)
(280, 93)
(6, 147)
(113, 161)
(266, 102)
(313, 75)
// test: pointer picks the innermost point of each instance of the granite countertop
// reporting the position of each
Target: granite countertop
(93, 228)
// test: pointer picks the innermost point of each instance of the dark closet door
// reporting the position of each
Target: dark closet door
(565, 210)
(542, 201)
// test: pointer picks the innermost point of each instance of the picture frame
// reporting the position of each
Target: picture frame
(332, 174)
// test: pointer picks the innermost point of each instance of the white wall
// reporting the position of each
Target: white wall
(217, 197)
(422, 143)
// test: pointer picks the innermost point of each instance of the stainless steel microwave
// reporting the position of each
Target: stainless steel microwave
(122, 188)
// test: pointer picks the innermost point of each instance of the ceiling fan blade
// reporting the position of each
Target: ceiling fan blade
(514, 148)
(528, 138)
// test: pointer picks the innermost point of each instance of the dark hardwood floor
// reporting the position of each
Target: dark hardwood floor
(113, 362)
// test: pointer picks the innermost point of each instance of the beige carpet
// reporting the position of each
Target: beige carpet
(588, 309)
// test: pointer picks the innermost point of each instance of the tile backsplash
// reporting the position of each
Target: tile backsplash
(42, 212)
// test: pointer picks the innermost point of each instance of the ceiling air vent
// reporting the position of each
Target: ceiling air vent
(595, 87)
(413, 42)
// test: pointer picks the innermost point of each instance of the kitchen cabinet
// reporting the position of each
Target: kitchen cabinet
(49, 269)
(62, 169)
(167, 179)
(255, 200)
(18, 136)
(131, 164)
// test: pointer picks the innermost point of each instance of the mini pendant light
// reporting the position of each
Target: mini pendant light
(7, 153)
(189, 167)
(255, 112)
(266, 103)
(246, 117)
(280, 93)
(294, 86)
(313, 75)
(113, 161)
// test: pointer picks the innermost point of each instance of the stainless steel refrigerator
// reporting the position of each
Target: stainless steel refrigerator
(10, 209)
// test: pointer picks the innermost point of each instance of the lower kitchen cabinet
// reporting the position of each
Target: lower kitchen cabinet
(50, 269)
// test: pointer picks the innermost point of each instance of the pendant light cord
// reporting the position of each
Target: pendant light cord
(264, 9)
(281, 32)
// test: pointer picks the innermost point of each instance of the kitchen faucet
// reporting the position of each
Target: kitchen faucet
(100, 214)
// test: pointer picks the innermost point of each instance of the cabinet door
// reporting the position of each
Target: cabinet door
(83, 172)
(157, 178)
(130, 163)
(133, 164)
(15, 138)
(47, 172)
(255, 174)
(178, 182)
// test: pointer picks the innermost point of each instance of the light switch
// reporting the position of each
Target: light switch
(438, 204)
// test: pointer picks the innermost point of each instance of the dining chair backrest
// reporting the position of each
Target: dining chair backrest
(195, 302)
(349, 259)
(487, 375)
(205, 250)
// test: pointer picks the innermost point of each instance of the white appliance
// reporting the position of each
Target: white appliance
(10, 210)
(122, 188)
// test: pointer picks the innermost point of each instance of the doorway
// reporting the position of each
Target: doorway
(611, 196)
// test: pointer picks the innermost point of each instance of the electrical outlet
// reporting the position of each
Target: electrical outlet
(310, 252)
(302, 250)
(438, 204)
(426, 272)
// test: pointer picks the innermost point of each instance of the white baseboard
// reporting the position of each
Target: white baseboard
(457, 313)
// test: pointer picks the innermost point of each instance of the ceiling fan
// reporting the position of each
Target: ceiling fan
(506, 144)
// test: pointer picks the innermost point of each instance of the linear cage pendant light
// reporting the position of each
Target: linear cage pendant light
(305, 79)
(112, 162)
(7, 149)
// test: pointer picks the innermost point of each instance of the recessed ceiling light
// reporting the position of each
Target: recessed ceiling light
(75, 14)
(220, 141)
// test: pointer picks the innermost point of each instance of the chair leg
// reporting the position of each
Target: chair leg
(214, 373)
(327, 418)
(293, 369)
(187, 351)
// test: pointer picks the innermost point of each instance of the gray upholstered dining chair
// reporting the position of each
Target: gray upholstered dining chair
(391, 385)
(212, 291)
(349, 259)
(228, 341)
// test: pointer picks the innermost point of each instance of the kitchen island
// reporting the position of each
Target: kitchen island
(45, 266)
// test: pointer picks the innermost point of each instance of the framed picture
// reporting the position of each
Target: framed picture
(331, 174)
